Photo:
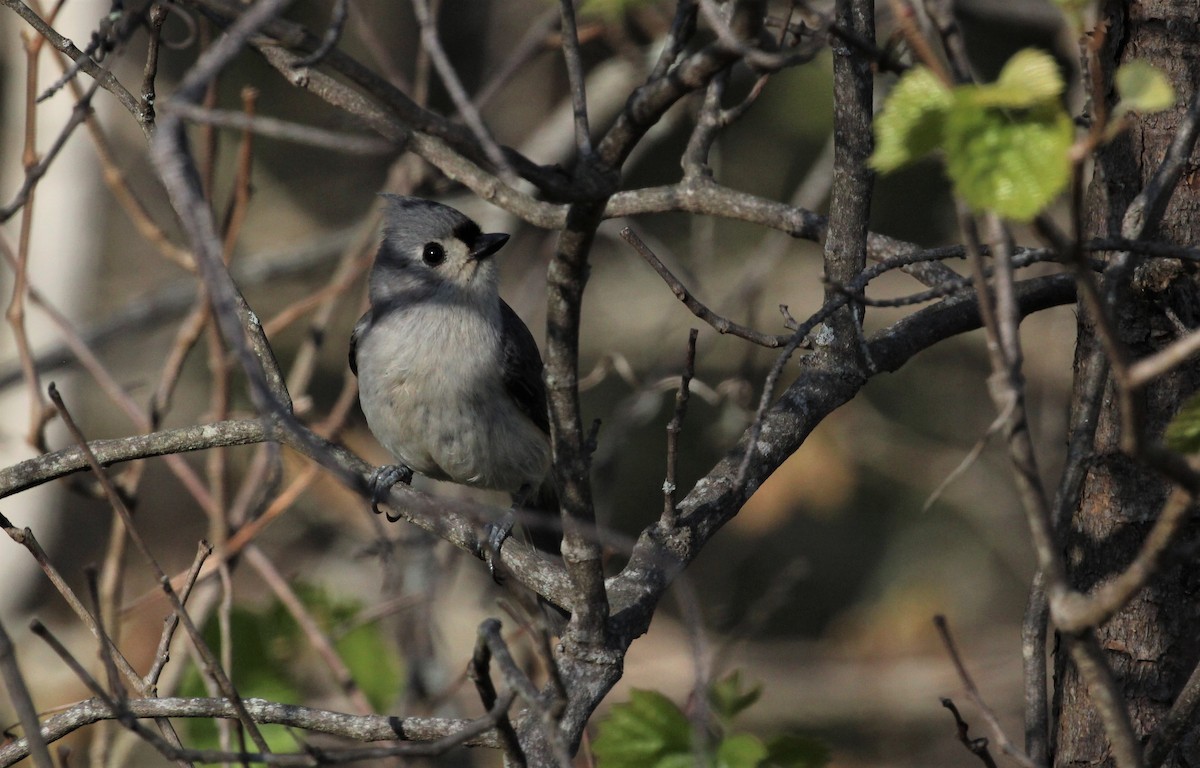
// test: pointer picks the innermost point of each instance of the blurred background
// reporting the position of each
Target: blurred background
(823, 589)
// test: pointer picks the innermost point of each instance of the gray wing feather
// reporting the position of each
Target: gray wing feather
(360, 328)
(523, 368)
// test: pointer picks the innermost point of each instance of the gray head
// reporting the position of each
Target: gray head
(429, 250)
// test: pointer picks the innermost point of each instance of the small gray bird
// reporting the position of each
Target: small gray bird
(449, 378)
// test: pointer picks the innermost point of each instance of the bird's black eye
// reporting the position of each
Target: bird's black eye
(434, 254)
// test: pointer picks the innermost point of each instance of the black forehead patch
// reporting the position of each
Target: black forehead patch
(467, 231)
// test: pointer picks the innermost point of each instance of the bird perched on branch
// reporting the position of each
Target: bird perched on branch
(449, 378)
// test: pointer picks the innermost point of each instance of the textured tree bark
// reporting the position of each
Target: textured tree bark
(1154, 642)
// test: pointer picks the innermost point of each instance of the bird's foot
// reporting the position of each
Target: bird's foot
(497, 533)
(381, 482)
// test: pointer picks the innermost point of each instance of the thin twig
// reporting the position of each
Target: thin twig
(1007, 389)
(433, 45)
(308, 624)
(719, 324)
(988, 715)
(1075, 612)
(285, 130)
(1163, 361)
(575, 78)
(337, 21)
(1175, 723)
(479, 674)
(119, 506)
(531, 42)
(156, 16)
(1105, 694)
(489, 631)
(101, 74)
(35, 171)
(674, 427)
(171, 623)
(113, 389)
(22, 702)
(977, 747)
(428, 736)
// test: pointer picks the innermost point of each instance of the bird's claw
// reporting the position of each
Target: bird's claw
(497, 533)
(381, 482)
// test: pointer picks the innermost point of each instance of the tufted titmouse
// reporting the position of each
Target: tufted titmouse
(449, 378)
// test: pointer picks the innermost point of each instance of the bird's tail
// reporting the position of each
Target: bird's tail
(542, 522)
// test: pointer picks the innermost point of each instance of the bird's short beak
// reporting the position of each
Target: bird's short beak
(486, 245)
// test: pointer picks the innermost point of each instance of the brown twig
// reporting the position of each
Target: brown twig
(312, 630)
(674, 427)
(285, 130)
(977, 747)
(988, 715)
(186, 336)
(170, 748)
(171, 623)
(156, 16)
(433, 46)
(337, 21)
(25, 538)
(479, 674)
(424, 735)
(105, 78)
(575, 78)
(1007, 387)
(1105, 693)
(22, 702)
(719, 324)
(15, 314)
(212, 666)
(1075, 613)
(489, 633)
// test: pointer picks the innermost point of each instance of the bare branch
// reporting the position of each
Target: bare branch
(720, 324)
(163, 654)
(18, 694)
(337, 20)
(489, 632)
(479, 674)
(412, 730)
(284, 130)
(674, 427)
(118, 504)
(1088, 658)
(105, 78)
(1074, 612)
(993, 723)
(449, 78)
(977, 747)
(570, 47)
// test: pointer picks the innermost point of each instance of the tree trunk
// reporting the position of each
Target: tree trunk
(1154, 642)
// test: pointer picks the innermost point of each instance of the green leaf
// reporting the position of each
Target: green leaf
(270, 652)
(258, 670)
(727, 697)
(912, 121)
(741, 750)
(372, 662)
(648, 731)
(1183, 432)
(1015, 164)
(1143, 88)
(794, 751)
(1031, 77)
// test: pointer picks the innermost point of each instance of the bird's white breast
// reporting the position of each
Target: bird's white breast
(432, 389)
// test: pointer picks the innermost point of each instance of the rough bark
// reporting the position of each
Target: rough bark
(1154, 642)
